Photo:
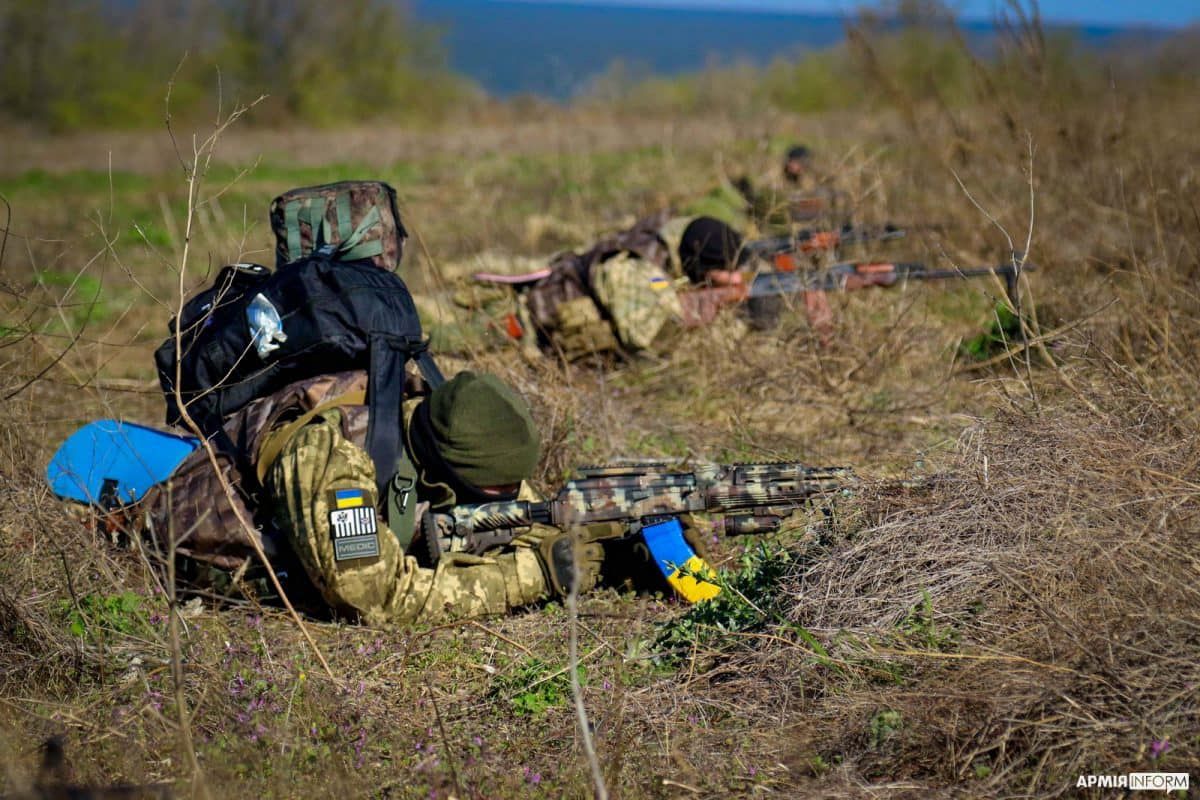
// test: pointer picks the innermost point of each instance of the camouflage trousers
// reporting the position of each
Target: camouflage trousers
(315, 474)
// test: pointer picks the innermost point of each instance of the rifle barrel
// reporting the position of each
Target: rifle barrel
(767, 284)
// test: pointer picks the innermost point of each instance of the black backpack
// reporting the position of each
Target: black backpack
(335, 316)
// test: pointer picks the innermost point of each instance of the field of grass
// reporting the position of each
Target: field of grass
(1032, 614)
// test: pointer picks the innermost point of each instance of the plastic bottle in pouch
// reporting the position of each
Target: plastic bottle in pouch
(266, 328)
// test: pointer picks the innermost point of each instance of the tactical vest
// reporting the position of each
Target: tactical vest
(193, 508)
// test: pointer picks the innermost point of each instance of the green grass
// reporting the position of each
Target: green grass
(116, 613)
(399, 174)
(76, 184)
(532, 686)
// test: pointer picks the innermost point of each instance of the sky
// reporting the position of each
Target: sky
(1166, 13)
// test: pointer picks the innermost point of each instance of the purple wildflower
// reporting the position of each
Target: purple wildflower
(1159, 747)
(360, 745)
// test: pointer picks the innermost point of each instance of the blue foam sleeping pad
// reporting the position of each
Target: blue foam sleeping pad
(115, 461)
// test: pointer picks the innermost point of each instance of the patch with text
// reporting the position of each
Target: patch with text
(352, 525)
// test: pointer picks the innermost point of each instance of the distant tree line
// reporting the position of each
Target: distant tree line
(914, 52)
(72, 64)
(107, 63)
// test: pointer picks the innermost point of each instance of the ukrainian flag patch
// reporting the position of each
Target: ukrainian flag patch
(659, 283)
(352, 525)
(349, 498)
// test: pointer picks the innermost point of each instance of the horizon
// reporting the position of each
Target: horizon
(1166, 14)
(556, 48)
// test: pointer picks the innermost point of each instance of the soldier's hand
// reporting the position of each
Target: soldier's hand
(570, 558)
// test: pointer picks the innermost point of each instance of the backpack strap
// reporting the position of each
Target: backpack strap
(291, 223)
(302, 211)
(350, 245)
(385, 396)
(342, 204)
(428, 367)
(353, 247)
(274, 441)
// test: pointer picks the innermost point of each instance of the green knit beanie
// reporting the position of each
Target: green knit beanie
(483, 429)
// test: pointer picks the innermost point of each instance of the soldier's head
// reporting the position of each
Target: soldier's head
(709, 247)
(475, 434)
(796, 163)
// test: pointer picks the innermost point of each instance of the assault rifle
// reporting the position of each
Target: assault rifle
(648, 499)
(701, 305)
(781, 251)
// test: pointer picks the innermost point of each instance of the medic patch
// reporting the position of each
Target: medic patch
(352, 525)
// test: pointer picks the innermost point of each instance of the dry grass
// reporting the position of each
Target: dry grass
(1031, 616)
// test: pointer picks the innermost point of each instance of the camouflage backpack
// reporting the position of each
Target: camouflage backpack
(352, 220)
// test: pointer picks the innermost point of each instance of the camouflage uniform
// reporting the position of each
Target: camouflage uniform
(618, 294)
(639, 297)
(776, 203)
(307, 472)
(317, 462)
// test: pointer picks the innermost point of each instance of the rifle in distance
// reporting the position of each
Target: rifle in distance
(701, 305)
(646, 499)
(781, 251)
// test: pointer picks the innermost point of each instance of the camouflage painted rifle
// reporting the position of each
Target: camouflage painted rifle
(701, 305)
(647, 498)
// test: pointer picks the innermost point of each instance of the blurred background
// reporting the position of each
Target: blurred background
(80, 65)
